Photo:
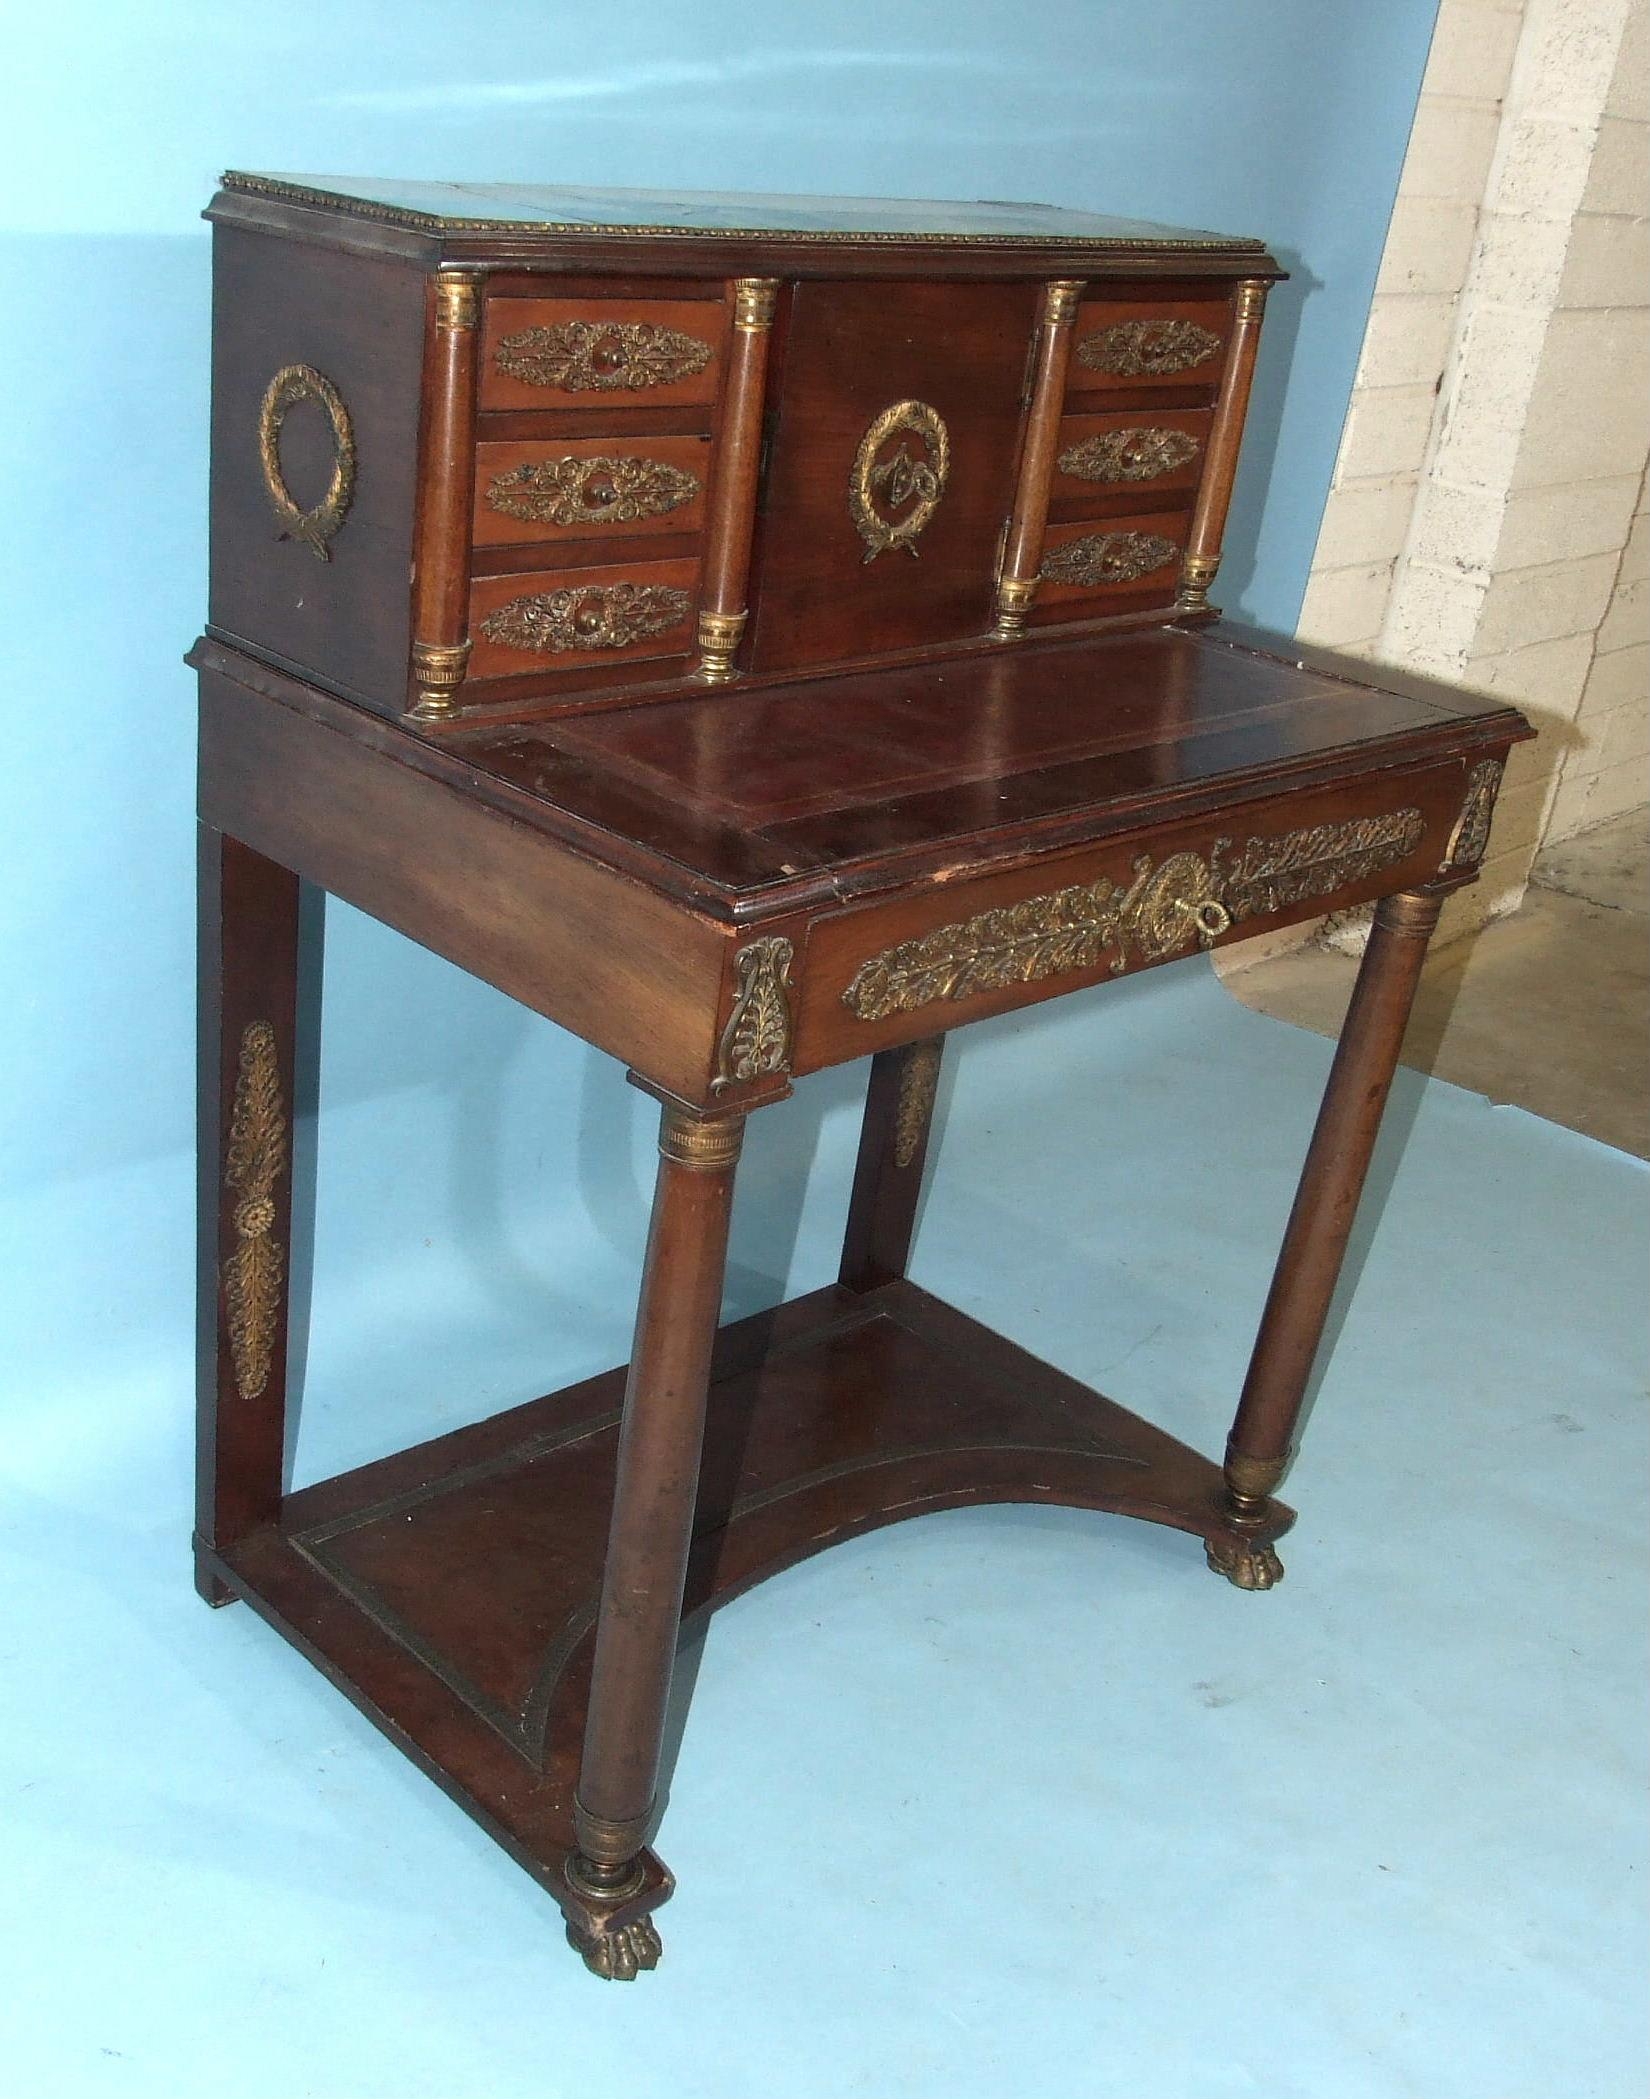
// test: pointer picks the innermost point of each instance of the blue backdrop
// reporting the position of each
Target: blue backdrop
(483, 1179)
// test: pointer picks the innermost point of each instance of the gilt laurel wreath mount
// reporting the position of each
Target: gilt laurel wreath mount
(317, 526)
(880, 489)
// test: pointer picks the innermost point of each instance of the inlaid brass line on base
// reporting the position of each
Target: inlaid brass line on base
(255, 1159)
(1164, 911)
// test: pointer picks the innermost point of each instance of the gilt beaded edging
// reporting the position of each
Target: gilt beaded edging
(432, 222)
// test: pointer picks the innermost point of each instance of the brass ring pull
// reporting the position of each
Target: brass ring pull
(1210, 916)
(292, 384)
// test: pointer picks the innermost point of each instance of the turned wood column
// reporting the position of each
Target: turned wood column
(724, 605)
(249, 956)
(441, 570)
(1023, 546)
(1332, 1180)
(893, 1143)
(1214, 496)
(654, 1492)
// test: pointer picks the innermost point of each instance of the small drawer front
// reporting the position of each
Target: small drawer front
(1135, 555)
(893, 972)
(588, 353)
(1129, 344)
(555, 618)
(589, 488)
(1124, 453)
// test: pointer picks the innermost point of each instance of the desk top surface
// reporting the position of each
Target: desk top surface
(839, 784)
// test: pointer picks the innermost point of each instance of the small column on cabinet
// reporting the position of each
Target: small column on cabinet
(1214, 496)
(441, 577)
(724, 603)
(1023, 547)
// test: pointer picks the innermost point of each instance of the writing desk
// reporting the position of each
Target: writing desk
(787, 845)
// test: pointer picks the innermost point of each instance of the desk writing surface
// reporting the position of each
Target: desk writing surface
(750, 785)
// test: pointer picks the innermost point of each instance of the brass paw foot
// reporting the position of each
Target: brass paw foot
(618, 1956)
(1245, 1564)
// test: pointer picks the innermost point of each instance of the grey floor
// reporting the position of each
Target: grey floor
(1548, 1009)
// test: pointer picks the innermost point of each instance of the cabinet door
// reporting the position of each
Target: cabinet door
(891, 470)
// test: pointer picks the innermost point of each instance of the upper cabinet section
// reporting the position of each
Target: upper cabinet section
(497, 453)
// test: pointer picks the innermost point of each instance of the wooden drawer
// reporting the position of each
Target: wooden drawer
(1088, 565)
(548, 619)
(1124, 452)
(582, 488)
(893, 972)
(1132, 344)
(583, 353)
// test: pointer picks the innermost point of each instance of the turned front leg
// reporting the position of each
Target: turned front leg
(1320, 1224)
(654, 1492)
(249, 974)
(893, 1142)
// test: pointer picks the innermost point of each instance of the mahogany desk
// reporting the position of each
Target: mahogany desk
(743, 726)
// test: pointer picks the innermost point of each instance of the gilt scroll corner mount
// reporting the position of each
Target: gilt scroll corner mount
(317, 526)
(1471, 835)
(892, 500)
(756, 1042)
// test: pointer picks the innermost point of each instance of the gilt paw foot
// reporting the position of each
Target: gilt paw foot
(620, 1955)
(1245, 1564)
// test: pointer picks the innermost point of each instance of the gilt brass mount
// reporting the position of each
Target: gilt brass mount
(317, 526)
(256, 1157)
(579, 357)
(1163, 912)
(588, 616)
(880, 489)
(756, 1042)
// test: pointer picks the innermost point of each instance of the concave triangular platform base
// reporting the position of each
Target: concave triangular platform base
(451, 1590)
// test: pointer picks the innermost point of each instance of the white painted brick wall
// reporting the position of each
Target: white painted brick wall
(1487, 518)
